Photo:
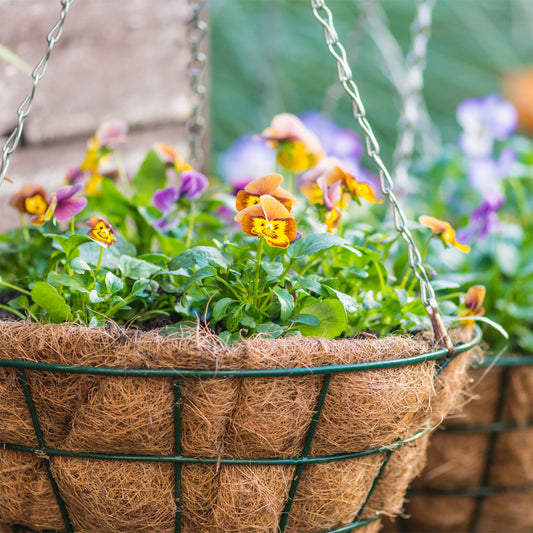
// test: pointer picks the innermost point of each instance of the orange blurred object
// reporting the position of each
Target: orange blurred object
(518, 89)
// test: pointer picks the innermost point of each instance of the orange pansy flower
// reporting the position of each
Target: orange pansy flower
(268, 219)
(267, 185)
(101, 230)
(473, 304)
(31, 199)
(444, 230)
(169, 156)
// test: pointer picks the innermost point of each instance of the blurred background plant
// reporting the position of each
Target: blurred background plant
(269, 57)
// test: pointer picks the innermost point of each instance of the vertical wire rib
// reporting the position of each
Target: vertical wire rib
(388, 455)
(177, 452)
(305, 452)
(493, 439)
(42, 455)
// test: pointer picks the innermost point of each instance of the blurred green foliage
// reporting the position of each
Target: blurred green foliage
(269, 57)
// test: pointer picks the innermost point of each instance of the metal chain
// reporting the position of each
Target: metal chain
(38, 72)
(196, 33)
(411, 92)
(323, 14)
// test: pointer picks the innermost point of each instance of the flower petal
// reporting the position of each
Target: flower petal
(164, 199)
(70, 208)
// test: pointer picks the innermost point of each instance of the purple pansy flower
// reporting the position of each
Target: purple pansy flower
(193, 184)
(485, 120)
(484, 219)
(247, 159)
(164, 199)
(74, 175)
(486, 174)
(66, 206)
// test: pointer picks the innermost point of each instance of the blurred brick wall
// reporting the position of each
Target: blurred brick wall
(115, 60)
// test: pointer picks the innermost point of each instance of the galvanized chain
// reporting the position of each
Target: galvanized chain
(411, 92)
(38, 72)
(323, 14)
(196, 33)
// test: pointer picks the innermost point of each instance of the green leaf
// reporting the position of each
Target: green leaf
(273, 330)
(73, 282)
(286, 302)
(443, 284)
(94, 298)
(234, 319)
(317, 242)
(486, 320)
(308, 320)
(20, 302)
(113, 283)
(402, 296)
(72, 243)
(331, 315)
(47, 297)
(349, 302)
(220, 308)
(150, 177)
(200, 256)
(79, 264)
(137, 268)
(274, 269)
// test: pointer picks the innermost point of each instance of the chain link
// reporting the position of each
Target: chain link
(323, 14)
(411, 92)
(196, 34)
(38, 72)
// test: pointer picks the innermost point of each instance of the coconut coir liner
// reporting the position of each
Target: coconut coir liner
(457, 461)
(230, 417)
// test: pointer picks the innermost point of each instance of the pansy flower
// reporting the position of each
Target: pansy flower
(473, 304)
(170, 157)
(63, 205)
(444, 231)
(101, 144)
(485, 120)
(297, 148)
(267, 185)
(101, 230)
(269, 219)
(31, 199)
(193, 184)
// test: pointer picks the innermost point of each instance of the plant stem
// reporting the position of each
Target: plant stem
(14, 287)
(291, 178)
(72, 226)
(257, 269)
(99, 260)
(380, 276)
(521, 196)
(190, 227)
(24, 228)
(14, 311)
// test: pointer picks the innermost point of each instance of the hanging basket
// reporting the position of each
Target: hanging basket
(479, 476)
(120, 430)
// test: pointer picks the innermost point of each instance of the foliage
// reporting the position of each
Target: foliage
(163, 249)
